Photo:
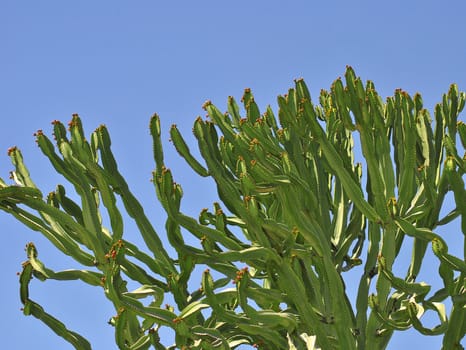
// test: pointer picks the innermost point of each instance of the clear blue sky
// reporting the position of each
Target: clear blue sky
(117, 62)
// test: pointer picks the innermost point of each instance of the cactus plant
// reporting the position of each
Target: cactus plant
(294, 216)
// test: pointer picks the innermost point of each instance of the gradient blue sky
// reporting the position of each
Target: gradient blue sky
(117, 62)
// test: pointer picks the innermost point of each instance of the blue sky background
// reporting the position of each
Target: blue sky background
(117, 62)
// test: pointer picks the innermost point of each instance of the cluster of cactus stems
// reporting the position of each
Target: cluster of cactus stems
(293, 189)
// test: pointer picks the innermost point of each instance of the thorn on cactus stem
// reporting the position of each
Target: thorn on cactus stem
(11, 150)
(206, 104)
